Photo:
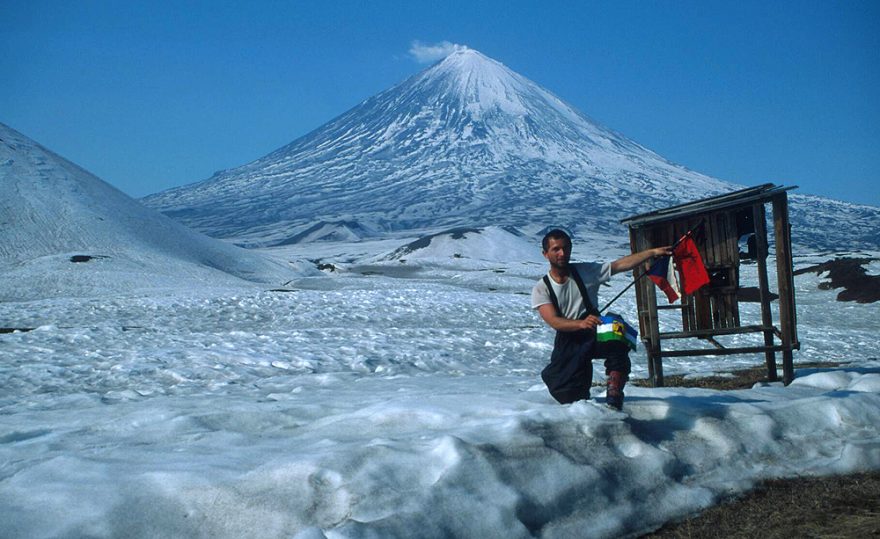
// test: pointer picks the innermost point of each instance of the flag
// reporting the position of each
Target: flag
(690, 264)
(613, 328)
(662, 272)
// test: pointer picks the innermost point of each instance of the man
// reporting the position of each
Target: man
(570, 372)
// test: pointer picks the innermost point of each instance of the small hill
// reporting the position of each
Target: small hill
(65, 232)
(470, 246)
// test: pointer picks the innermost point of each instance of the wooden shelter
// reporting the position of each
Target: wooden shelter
(731, 234)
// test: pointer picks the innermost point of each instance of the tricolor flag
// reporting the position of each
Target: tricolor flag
(612, 328)
(663, 275)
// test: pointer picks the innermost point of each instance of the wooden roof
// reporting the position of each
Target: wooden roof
(742, 197)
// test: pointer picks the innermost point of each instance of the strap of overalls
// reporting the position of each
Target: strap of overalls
(588, 305)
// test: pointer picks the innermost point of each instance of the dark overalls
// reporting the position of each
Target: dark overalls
(570, 372)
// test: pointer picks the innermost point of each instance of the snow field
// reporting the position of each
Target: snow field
(371, 406)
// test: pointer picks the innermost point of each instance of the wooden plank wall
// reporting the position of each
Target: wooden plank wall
(716, 306)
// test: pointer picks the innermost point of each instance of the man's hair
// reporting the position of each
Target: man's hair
(555, 234)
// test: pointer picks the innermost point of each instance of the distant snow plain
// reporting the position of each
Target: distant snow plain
(393, 398)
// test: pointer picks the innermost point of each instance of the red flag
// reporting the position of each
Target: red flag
(690, 264)
(662, 272)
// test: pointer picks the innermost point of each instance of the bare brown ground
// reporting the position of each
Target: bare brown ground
(825, 507)
(839, 506)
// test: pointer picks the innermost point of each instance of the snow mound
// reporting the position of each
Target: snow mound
(337, 231)
(842, 380)
(66, 232)
(490, 244)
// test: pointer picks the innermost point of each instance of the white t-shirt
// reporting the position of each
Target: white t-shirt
(570, 301)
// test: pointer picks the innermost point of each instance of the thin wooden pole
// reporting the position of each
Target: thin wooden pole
(785, 276)
(760, 220)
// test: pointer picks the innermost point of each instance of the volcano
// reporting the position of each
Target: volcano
(465, 143)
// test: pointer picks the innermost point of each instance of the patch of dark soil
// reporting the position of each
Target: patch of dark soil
(80, 258)
(849, 274)
(837, 506)
(401, 272)
(740, 379)
(85, 258)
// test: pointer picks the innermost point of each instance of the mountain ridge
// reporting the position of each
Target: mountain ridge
(466, 142)
(460, 134)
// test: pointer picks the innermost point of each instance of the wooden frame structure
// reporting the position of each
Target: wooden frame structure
(721, 225)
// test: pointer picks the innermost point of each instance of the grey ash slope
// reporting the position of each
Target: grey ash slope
(53, 212)
(465, 143)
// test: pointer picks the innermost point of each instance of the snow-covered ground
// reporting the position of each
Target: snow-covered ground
(391, 399)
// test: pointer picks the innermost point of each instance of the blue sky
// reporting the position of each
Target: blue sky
(152, 95)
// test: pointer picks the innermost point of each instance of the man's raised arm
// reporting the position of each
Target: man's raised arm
(631, 261)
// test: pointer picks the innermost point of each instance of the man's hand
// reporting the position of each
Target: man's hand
(548, 313)
(661, 251)
(590, 322)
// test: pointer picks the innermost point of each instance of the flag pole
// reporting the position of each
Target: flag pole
(639, 278)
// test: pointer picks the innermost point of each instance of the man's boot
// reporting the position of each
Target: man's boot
(614, 389)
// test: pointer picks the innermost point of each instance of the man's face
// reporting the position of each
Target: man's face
(558, 252)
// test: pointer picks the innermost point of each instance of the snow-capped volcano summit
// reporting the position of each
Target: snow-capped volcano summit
(475, 100)
(465, 143)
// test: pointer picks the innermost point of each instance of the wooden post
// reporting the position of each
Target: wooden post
(785, 276)
(760, 219)
(656, 360)
(656, 363)
(642, 310)
(646, 304)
